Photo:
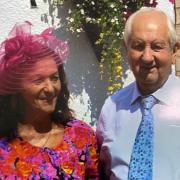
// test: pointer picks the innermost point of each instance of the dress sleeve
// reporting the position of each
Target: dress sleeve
(92, 166)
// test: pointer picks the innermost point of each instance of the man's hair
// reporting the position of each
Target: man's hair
(171, 28)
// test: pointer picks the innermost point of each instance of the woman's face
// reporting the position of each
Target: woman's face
(41, 87)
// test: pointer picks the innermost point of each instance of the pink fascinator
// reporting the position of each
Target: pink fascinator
(22, 49)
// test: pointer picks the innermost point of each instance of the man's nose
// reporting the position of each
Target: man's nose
(147, 55)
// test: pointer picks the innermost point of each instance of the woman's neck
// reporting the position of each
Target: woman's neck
(40, 131)
(40, 122)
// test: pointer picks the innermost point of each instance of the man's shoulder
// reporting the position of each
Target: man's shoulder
(173, 80)
(121, 96)
(118, 102)
(124, 93)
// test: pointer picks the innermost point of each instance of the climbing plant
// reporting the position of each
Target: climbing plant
(109, 17)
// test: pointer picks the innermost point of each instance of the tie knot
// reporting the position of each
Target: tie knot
(148, 102)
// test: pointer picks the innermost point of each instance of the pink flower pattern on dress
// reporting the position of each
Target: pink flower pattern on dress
(75, 157)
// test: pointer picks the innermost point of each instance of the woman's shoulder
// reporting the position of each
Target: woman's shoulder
(79, 133)
(79, 123)
(80, 127)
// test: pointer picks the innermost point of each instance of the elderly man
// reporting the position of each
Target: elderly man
(139, 126)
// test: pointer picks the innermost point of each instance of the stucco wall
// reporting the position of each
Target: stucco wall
(87, 90)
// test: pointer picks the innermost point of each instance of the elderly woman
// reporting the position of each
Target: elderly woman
(40, 139)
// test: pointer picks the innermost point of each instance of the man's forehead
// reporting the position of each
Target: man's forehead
(150, 13)
(150, 22)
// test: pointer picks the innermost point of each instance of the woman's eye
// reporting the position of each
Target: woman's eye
(55, 78)
(37, 81)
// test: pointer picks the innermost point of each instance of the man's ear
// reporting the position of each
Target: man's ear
(176, 50)
(176, 46)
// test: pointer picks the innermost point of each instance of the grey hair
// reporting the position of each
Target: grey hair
(171, 27)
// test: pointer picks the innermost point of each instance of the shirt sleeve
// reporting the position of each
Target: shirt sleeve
(104, 123)
(104, 133)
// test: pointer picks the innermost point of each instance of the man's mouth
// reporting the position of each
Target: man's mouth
(147, 68)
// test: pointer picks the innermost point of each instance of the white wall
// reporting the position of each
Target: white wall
(87, 90)
(15, 11)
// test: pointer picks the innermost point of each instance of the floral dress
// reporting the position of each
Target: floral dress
(75, 158)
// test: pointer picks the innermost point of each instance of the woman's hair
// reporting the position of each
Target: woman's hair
(18, 55)
(62, 113)
(11, 112)
(171, 28)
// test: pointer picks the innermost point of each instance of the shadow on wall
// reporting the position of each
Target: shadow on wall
(82, 70)
(87, 89)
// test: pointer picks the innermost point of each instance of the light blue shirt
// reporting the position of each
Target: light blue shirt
(118, 123)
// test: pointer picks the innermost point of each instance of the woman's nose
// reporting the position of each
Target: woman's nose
(48, 87)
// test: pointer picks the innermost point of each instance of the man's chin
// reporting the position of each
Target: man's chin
(149, 78)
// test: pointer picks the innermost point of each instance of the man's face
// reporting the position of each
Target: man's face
(149, 53)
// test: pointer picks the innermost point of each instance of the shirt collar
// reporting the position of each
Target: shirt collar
(162, 94)
(136, 93)
(159, 94)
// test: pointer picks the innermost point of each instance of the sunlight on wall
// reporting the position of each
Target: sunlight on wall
(82, 104)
